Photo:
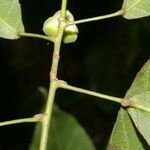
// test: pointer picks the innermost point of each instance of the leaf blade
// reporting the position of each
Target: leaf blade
(139, 93)
(136, 8)
(10, 19)
(124, 135)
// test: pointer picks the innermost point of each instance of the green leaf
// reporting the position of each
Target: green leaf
(124, 135)
(136, 8)
(65, 134)
(139, 93)
(10, 19)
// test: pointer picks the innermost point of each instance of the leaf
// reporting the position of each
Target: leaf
(10, 19)
(124, 135)
(136, 8)
(65, 134)
(139, 93)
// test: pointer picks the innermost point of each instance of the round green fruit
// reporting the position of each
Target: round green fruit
(51, 25)
(70, 34)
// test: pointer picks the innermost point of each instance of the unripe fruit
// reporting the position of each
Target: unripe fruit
(70, 34)
(51, 25)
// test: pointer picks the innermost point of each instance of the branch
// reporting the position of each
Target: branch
(124, 102)
(92, 93)
(32, 35)
(25, 120)
(118, 13)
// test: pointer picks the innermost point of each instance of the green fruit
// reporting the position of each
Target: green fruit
(70, 34)
(51, 25)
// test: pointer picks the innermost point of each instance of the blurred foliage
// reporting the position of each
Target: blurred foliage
(64, 133)
(105, 58)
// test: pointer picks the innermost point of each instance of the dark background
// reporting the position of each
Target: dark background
(105, 58)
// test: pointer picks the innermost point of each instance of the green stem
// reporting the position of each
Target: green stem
(52, 89)
(92, 93)
(53, 78)
(46, 121)
(25, 120)
(44, 37)
(63, 8)
(118, 13)
(104, 96)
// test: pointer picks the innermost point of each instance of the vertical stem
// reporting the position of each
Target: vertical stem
(46, 121)
(52, 89)
(63, 8)
(53, 78)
